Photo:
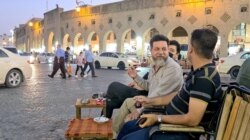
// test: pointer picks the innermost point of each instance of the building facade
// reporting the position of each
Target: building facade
(6, 40)
(127, 26)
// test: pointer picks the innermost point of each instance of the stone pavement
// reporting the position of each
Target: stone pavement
(41, 108)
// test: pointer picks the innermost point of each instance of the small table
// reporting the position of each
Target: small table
(92, 104)
(87, 128)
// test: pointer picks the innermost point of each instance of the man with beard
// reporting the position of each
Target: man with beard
(165, 77)
(196, 103)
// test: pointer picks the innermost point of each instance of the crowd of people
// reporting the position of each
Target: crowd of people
(62, 59)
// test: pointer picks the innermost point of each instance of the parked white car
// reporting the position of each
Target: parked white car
(11, 48)
(45, 58)
(117, 60)
(231, 64)
(29, 57)
(14, 68)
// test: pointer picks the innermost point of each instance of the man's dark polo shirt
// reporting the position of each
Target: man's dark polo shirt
(203, 84)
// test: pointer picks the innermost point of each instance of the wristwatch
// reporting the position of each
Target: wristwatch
(159, 118)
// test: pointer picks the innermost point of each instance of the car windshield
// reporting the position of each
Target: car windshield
(25, 54)
(122, 55)
(13, 50)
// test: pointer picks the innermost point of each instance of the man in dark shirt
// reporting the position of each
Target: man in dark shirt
(194, 105)
(243, 77)
(59, 62)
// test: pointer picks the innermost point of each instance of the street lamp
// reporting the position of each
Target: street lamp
(78, 9)
(30, 24)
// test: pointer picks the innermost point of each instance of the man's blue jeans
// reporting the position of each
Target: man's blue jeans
(131, 131)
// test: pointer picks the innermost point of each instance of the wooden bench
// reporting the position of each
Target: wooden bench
(233, 122)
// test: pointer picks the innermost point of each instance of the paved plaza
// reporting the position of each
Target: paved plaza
(41, 108)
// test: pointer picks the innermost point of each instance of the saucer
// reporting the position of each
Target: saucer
(101, 119)
(85, 101)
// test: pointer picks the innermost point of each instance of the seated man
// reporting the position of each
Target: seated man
(195, 104)
(165, 76)
(243, 77)
(118, 92)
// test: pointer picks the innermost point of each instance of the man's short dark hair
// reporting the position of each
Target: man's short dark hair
(156, 38)
(176, 44)
(203, 42)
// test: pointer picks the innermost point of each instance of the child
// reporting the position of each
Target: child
(79, 62)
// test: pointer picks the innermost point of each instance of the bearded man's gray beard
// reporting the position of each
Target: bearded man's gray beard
(159, 62)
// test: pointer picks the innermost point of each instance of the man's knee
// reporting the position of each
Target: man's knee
(130, 104)
(113, 89)
(115, 85)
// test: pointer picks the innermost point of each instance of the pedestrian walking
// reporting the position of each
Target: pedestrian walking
(79, 62)
(59, 62)
(84, 62)
(89, 57)
(67, 60)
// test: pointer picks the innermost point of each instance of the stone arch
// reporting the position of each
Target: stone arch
(179, 34)
(28, 45)
(51, 42)
(93, 40)
(128, 42)
(149, 33)
(42, 46)
(78, 43)
(110, 41)
(67, 42)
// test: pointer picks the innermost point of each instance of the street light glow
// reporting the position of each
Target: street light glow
(30, 24)
(78, 9)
